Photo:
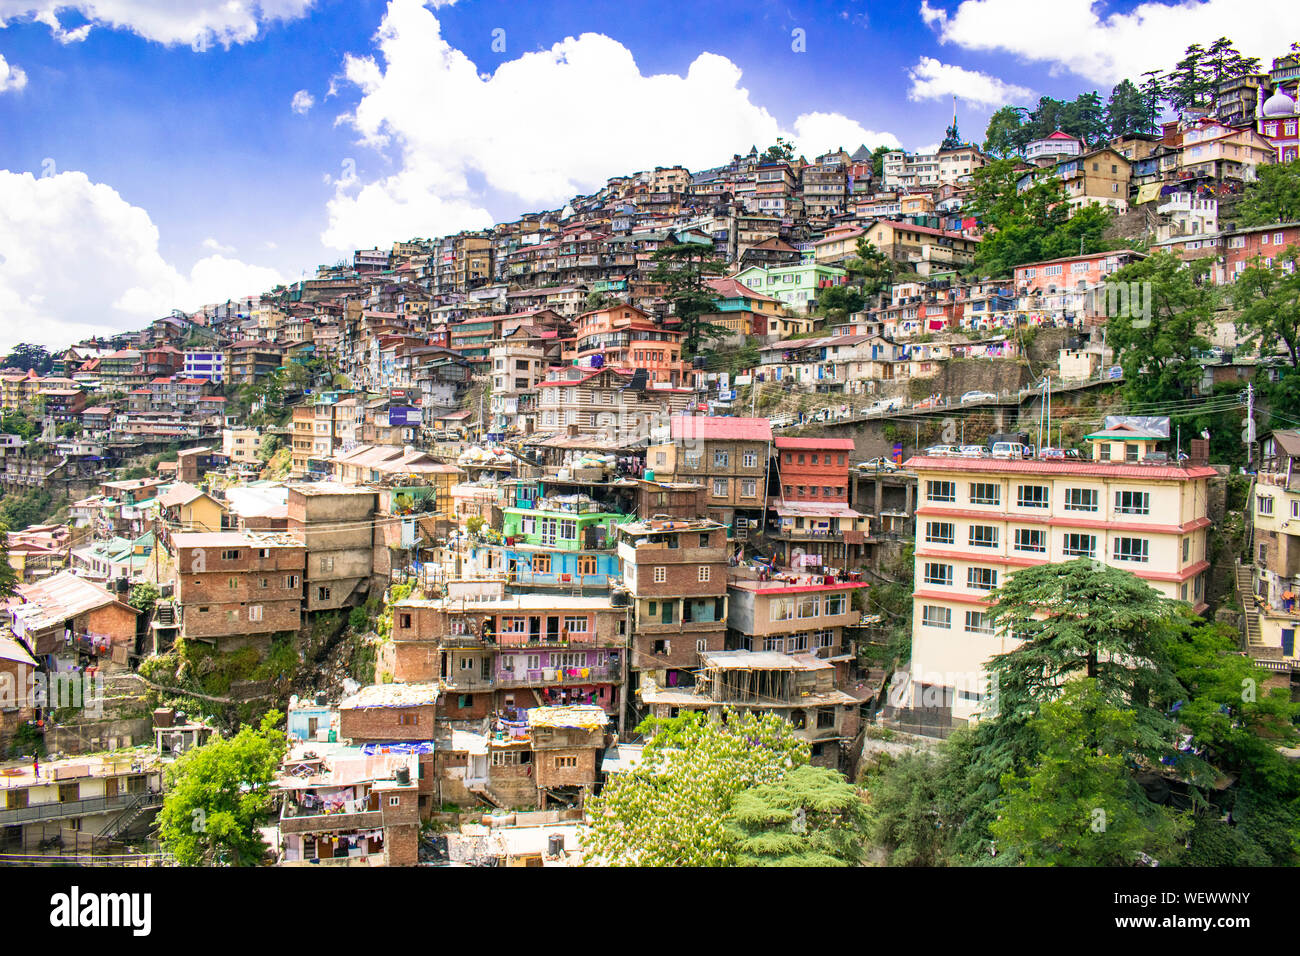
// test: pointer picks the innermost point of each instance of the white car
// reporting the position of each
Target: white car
(972, 451)
(878, 464)
(942, 451)
(978, 397)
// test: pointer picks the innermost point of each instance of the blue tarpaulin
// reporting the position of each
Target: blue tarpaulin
(413, 747)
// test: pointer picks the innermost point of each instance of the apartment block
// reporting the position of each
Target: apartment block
(238, 588)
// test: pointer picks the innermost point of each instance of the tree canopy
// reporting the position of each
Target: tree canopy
(671, 810)
(1274, 196)
(219, 794)
(810, 817)
(682, 268)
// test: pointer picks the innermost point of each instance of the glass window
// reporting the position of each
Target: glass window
(938, 574)
(1081, 499)
(977, 622)
(1131, 549)
(982, 579)
(985, 493)
(1132, 502)
(1033, 496)
(935, 616)
(940, 491)
(1081, 545)
(1031, 539)
(940, 532)
(983, 536)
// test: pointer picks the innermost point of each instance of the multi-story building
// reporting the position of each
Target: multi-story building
(980, 519)
(796, 285)
(238, 588)
(336, 526)
(676, 573)
(728, 456)
(1272, 620)
(799, 687)
(814, 524)
(205, 364)
(625, 337)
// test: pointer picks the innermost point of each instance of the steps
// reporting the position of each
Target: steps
(1250, 611)
(485, 794)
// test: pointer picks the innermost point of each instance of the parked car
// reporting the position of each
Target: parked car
(878, 464)
(1052, 454)
(942, 451)
(972, 451)
(978, 397)
(931, 402)
(884, 405)
(1009, 449)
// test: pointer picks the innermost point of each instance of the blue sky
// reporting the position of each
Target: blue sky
(164, 154)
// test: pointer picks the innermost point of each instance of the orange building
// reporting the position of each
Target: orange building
(629, 338)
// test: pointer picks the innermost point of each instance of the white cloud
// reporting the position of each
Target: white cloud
(302, 102)
(198, 22)
(1078, 35)
(76, 259)
(539, 128)
(11, 76)
(210, 243)
(932, 80)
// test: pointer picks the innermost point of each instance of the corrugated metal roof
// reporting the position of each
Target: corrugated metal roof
(716, 427)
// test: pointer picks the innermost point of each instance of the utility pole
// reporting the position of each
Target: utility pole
(1248, 433)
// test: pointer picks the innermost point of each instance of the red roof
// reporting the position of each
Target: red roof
(718, 427)
(838, 444)
(732, 289)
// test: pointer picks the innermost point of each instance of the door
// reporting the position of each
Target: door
(312, 723)
(552, 628)
(110, 787)
(1288, 641)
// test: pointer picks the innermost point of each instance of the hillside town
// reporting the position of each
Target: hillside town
(475, 517)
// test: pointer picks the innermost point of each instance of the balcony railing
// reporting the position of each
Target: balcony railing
(71, 808)
(554, 675)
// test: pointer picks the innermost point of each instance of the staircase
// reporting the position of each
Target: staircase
(1246, 593)
(122, 823)
(164, 615)
(483, 793)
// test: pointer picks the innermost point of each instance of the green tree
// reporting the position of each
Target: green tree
(1156, 352)
(1126, 110)
(8, 576)
(29, 357)
(1085, 117)
(1078, 618)
(270, 445)
(1274, 196)
(1002, 136)
(682, 268)
(1189, 83)
(1077, 804)
(671, 809)
(16, 422)
(904, 815)
(1267, 298)
(1154, 94)
(143, 597)
(878, 162)
(871, 270)
(780, 151)
(810, 817)
(219, 794)
(839, 301)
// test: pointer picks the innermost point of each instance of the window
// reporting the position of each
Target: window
(575, 624)
(394, 801)
(774, 644)
(977, 622)
(1033, 496)
(810, 606)
(255, 612)
(940, 491)
(1081, 545)
(720, 487)
(541, 564)
(938, 574)
(983, 536)
(749, 488)
(327, 564)
(721, 458)
(232, 583)
(985, 493)
(934, 616)
(940, 532)
(661, 575)
(693, 459)
(1081, 499)
(835, 604)
(1132, 503)
(587, 564)
(981, 579)
(704, 573)
(751, 459)
(797, 642)
(291, 580)
(1031, 539)
(408, 720)
(781, 609)
(230, 555)
(1131, 549)
(1263, 505)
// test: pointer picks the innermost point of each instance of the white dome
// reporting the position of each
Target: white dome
(1279, 104)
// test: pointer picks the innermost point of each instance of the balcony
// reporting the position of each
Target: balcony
(298, 822)
(74, 808)
(555, 676)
